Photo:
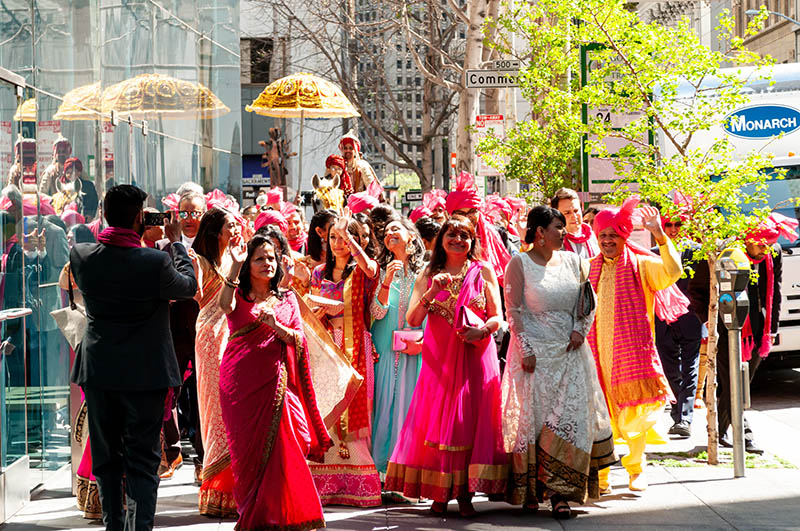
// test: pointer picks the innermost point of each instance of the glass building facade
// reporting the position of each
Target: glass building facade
(145, 92)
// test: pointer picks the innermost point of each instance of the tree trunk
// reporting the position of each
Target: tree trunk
(468, 98)
(711, 373)
(427, 151)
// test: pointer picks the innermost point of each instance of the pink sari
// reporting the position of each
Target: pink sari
(272, 420)
(451, 442)
(216, 493)
(87, 495)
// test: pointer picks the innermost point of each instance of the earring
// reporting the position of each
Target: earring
(410, 247)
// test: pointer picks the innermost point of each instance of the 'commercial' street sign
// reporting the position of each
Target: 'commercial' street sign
(492, 78)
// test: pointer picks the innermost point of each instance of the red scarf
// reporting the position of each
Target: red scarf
(582, 238)
(748, 342)
(298, 244)
(119, 237)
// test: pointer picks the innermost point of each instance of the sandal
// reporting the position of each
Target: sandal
(560, 508)
(438, 508)
(531, 508)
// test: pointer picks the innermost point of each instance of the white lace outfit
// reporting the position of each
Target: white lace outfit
(561, 401)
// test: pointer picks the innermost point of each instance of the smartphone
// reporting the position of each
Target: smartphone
(153, 219)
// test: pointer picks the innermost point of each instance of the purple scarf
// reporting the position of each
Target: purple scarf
(119, 237)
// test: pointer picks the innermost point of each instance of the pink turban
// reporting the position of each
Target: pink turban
(619, 219)
(419, 212)
(465, 195)
(71, 217)
(271, 217)
(171, 202)
(216, 198)
(435, 198)
(29, 206)
(287, 209)
(496, 205)
(772, 228)
(361, 201)
(74, 161)
(350, 138)
(274, 195)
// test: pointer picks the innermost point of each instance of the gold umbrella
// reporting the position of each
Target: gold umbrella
(26, 112)
(82, 103)
(148, 96)
(302, 95)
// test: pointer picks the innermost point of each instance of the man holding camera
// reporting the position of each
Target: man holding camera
(126, 362)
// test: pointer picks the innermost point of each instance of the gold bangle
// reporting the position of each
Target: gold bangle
(233, 284)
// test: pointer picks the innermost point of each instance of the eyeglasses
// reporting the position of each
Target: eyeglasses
(670, 224)
(183, 214)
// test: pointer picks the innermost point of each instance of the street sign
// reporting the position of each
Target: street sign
(257, 179)
(506, 64)
(492, 78)
(483, 124)
(413, 195)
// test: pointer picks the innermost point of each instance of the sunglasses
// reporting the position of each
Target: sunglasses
(670, 224)
(183, 214)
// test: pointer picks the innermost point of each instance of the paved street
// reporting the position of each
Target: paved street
(685, 497)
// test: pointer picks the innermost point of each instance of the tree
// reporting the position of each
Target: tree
(678, 89)
(353, 48)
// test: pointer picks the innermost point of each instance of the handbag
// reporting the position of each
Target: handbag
(71, 320)
(401, 338)
(587, 300)
(466, 317)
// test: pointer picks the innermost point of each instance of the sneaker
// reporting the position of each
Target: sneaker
(682, 429)
(752, 448)
(725, 441)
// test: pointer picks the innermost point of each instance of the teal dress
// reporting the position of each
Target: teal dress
(396, 373)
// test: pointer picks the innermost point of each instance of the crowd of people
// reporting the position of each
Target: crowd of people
(474, 346)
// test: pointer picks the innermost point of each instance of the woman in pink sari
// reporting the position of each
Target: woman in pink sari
(267, 400)
(218, 231)
(451, 443)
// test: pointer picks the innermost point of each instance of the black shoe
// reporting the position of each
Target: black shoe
(725, 442)
(751, 448)
(682, 429)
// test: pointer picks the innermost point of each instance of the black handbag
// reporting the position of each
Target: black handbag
(587, 300)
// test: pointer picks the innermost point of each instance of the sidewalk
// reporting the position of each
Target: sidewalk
(698, 497)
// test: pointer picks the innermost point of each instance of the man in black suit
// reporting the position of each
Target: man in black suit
(759, 252)
(126, 361)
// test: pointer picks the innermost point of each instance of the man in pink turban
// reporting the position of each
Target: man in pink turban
(465, 201)
(629, 280)
(761, 326)
(435, 201)
(579, 239)
(359, 170)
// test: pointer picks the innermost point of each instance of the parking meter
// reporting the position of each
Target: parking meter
(733, 274)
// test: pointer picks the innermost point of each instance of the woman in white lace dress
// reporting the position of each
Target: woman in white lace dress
(555, 422)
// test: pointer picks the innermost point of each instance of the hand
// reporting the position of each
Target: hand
(412, 347)
(529, 363)
(471, 334)
(575, 341)
(287, 265)
(267, 316)
(319, 311)
(440, 282)
(195, 261)
(393, 267)
(42, 240)
(341, 227)
(31, 241)
(238, 252)
(172, 228)
(652, 222)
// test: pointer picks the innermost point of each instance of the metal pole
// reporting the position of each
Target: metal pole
(737, 414)
(300, 156)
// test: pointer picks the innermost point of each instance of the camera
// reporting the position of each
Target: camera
(153, 219)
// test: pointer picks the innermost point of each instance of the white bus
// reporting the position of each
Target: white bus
(772, 110)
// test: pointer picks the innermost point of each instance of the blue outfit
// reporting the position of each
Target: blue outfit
(396, 373)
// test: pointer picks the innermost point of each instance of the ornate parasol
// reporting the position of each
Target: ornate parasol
(26, 112)
(149, 96)
(82, 103)
(302, 95)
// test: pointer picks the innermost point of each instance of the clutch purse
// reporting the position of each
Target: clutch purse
(71, 320)
(586, 300)
(401, 338)
(466, 317)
